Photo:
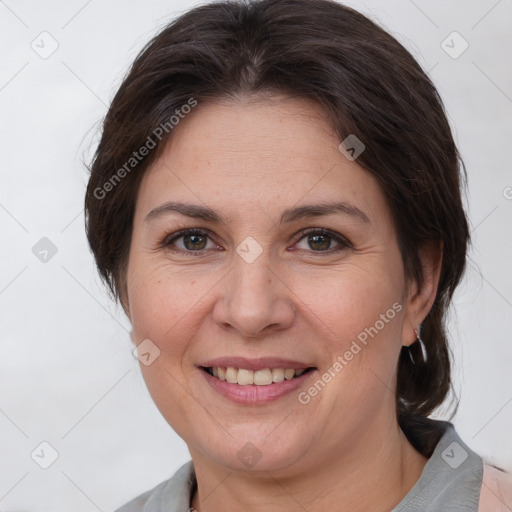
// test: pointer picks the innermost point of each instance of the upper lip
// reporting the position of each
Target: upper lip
(259, 363)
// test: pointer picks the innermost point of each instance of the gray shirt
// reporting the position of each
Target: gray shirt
(450, 482)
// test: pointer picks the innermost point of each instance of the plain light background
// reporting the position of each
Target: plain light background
(67, 374)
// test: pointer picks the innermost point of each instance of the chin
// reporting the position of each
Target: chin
(256, 452)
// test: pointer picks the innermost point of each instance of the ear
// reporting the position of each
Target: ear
(126, 308)
(419, 300)
(123, 298)
(132, 338)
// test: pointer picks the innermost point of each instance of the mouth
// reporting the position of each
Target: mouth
(261, 377)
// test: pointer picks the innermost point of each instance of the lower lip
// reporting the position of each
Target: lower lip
(252, 394)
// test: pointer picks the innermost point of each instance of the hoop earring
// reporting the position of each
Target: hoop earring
(423, 348)
(410, 355)
(422, 345)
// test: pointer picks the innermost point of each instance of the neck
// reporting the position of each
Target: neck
(373, 475)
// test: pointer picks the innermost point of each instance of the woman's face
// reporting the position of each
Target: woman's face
(261, 282)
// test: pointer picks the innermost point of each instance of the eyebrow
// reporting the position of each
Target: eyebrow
(301, 212)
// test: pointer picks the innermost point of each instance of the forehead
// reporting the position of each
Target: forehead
(247, 155)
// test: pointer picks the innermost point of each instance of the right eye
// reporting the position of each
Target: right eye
(192, 240)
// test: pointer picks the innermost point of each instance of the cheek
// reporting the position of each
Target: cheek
(167, 305)
(358, 316)
(346, 303)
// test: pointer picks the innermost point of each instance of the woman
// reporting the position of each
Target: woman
(275, 201)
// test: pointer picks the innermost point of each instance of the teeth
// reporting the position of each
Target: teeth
(277, 375)
(245, 377)
(263, 377)
(231, 375)
(289, 374)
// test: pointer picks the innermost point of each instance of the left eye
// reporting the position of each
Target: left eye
(321, 241)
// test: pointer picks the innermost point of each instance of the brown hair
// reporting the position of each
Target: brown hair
(368, 84)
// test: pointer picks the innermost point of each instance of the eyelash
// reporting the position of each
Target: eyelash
(170, 239)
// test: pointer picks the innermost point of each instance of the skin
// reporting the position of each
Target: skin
(250, 160)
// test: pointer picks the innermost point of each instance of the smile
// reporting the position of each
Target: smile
(254, 387)
(263, 377)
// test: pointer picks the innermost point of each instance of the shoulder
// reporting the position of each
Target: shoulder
(175, 492)
(137, 504)
(496, 493)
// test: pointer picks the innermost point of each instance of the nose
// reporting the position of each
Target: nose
(254, 301)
